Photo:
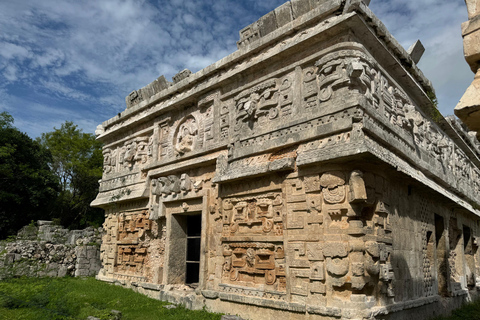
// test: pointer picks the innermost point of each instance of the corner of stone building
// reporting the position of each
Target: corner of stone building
(311, 180)
(468, 108)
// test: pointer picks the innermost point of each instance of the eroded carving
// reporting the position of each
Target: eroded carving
(252, 264)
(186, 136)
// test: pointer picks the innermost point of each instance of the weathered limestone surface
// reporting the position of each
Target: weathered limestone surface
(50, 250)
(307, 174)
(468, 109)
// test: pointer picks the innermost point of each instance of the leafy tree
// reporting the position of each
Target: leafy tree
(77, 161)
(28, 187)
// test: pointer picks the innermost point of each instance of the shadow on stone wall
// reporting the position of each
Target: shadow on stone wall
(48, 250)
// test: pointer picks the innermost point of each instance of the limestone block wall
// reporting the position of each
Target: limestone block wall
(468, 109)
(308, 174)
(50, 250)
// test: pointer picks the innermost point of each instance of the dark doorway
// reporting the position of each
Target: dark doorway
(469, 257)
(194, 232)
(442, 258)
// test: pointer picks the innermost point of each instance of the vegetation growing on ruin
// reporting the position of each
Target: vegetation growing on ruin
(54, 177)
(434, 112)
(470, 311)
(79, 298)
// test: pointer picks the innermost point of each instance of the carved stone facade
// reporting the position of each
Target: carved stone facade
(307, 174)
(468, 109)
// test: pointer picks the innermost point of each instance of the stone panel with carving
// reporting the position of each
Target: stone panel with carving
(299, 163)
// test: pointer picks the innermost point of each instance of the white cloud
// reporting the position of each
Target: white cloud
(84, 57)
(437, 23)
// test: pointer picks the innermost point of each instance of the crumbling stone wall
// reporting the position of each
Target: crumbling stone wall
(50, 250)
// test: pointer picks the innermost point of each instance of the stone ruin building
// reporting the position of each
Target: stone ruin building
(468, 109)
(308, 175)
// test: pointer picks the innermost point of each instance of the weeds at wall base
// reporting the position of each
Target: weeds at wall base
(78, 298)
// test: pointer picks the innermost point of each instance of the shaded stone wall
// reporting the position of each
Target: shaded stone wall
(50, 250)
(308, 174)
(468, 109)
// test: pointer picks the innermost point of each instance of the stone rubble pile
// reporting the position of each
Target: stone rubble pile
(50, 250)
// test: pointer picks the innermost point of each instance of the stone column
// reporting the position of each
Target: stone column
(468, 109)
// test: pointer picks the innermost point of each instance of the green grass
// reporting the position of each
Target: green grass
(78, 298)
(470, 311)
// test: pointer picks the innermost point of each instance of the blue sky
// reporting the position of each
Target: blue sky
(77, 60)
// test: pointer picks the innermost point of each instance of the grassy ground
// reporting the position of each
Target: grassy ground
(78, 298)
(470, 311)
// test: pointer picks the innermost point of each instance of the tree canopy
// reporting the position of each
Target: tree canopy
(77, 161)
(53, 177)
(28, 187)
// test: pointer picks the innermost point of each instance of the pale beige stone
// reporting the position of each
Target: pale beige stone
(301, 177)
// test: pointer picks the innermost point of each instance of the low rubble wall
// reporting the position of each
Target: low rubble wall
(46, 249)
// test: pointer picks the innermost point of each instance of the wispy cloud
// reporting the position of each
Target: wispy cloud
(437, 23)
(81, 58)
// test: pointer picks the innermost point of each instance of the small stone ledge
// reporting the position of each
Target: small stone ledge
(284, 164)
(461, 292)
(325, 311)
(294, 307)
(151, 286)
(210, 294)
(104, 279)
(376, 311)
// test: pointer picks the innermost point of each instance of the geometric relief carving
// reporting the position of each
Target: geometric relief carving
(315, 251)
(137, 151)
(130, 259)
(172, 185)
(299, 281)
(296, 204)
(260, 215)
(310, 89)
(337, 261)
(254, 263)
(264, 102)
(296, 256)
(109, 160)
(130, 255)
(397, 110)
(131, 227)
